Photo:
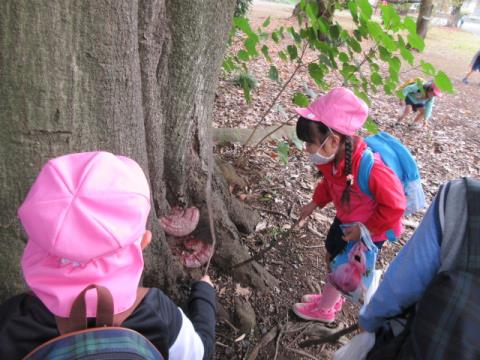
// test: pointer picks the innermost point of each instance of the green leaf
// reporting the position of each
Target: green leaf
(251, 46)
(427, 68)
(407, 55)
(296, 37)
(311, 9)
(443, 82)
(395, 64)
(389, 43)
(243, 55)
(375, 30)
(246, 89)
(343, 57)
(390, 16)
(334, 32)
(371, 126)
(384, 53)
(273, 73)
(365, 8)
(416, 41)
(322, 25)
(228, 65)
(353, 10)
(300, 100)
(355, 45)
(243, 24)
(283, 150)
(376, 78)
(410, 25)
(275, 37)
(316, 73)
(292, 51)
(266, 22)
(281, 55)
(265, 53)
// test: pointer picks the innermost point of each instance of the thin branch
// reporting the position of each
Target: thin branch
(274, 130)
(269, 211)
(330, 338)
(299, 65)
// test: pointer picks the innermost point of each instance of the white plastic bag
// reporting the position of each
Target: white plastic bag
(377, 275)
(357, 348)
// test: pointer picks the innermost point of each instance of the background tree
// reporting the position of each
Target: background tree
(134, 77)
(424, 16)
(455, 13)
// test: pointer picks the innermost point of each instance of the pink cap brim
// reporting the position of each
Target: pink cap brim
(57, 285)
(306, 113)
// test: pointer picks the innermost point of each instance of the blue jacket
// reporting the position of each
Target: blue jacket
(408, 275)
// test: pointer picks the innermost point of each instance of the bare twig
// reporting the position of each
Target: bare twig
(279, 337)
(330, 338)
(231, 325)
(274, 130)
(221, 344)
(299, 65)
(269, 211)
(266, 339)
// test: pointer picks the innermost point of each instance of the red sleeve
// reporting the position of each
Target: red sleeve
(321, 196)
(388, 192)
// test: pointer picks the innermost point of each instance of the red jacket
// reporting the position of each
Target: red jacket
(380, 214)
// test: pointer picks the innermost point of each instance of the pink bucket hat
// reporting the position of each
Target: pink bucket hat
(339, 109)
(85, 216)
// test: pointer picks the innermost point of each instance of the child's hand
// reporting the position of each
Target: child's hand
(307, 210)
(352, 233)
(206, 278)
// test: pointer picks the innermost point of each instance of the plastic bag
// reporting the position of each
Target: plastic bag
(357, 348)
(353, 269)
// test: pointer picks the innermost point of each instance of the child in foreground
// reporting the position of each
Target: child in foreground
(85, 217)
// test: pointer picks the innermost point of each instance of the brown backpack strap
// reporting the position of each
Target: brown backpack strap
(105, 317)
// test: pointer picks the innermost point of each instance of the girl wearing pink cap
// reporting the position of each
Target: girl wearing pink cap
(421, 101)
(328, 127)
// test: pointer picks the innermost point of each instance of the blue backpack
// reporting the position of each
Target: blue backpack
(106, 341)
(398, 158)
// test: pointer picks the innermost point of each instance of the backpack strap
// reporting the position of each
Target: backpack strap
(366, 165)
(105, 317)
(453, 217)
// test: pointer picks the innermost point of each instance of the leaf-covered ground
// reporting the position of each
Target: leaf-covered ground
(448, 149)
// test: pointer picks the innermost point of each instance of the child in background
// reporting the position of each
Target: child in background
(328, 127)
(419, 101)
(85, 217)
(474, 66)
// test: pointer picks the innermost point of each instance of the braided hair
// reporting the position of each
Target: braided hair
(347, 170)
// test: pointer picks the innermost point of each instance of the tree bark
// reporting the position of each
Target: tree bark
(135, 78)
(455, 14)
(424, 16)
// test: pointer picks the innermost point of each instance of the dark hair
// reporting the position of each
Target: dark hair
(309, 130)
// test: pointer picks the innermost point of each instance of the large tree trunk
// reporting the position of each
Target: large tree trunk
(424, 17)
(136, 78)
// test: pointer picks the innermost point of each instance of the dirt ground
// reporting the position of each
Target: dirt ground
(449, 148)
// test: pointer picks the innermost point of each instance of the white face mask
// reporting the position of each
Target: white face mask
(318, 159)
